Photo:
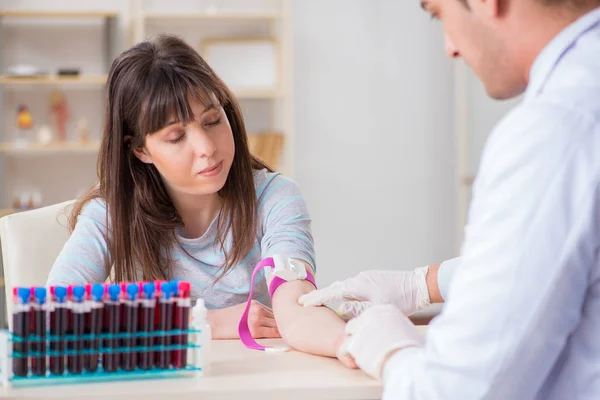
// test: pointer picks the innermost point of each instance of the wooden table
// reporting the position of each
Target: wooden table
(234, 373)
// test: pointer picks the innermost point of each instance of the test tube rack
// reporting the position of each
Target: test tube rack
(41, 350)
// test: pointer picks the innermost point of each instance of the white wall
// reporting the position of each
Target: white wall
(374, 145)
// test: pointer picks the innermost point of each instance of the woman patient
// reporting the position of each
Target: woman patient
(181, 197)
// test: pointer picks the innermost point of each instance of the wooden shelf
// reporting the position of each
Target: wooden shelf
(220, 15)
(57, 14)
(36, 148)
(6, 211)
(468, 180)
(267, 146)
(53, 80)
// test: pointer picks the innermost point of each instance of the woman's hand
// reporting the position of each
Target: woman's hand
(224, 321)
(344, 357)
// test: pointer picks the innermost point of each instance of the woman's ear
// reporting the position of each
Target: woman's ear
(140, 152)
(142, 155)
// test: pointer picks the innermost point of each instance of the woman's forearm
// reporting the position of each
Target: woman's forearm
(313, 330)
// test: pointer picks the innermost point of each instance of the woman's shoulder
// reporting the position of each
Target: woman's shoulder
(273, 185)
(94, 209)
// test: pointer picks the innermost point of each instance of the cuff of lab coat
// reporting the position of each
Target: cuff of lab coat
(445, 274)
(396, 362)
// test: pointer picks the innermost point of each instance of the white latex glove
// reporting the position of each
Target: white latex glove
(351, 309)
(407, 290)
(374, 335)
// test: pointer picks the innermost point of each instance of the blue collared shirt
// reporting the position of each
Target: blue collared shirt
(522, 319)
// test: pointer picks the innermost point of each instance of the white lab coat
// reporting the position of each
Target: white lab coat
(523, 316)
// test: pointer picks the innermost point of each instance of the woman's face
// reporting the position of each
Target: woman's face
(195, 158)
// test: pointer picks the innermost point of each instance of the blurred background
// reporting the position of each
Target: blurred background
(354, 99)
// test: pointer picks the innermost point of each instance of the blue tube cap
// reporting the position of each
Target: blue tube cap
(166, 290)
(24, 294)
(132, 290)
(114, 291)
(79, 293)
(60, 292)
(98, 292)
(149, 289)
(174, 287)
(40, 295)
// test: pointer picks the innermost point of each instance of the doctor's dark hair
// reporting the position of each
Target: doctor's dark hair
(148, 85)
(571, 4)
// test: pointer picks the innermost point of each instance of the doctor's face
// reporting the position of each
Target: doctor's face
(477, 35)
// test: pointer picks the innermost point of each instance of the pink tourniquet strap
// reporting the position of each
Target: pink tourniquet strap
(243, 328)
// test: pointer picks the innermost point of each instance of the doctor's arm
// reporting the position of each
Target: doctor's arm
(516, 297)
(410, 291)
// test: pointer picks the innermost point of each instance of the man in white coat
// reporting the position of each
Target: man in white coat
(522, 313)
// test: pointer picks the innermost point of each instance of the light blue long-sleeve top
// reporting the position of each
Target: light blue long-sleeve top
(283, 228)
(522, 320)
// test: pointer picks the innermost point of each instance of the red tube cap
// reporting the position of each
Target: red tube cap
(88, 289)
(184, 289)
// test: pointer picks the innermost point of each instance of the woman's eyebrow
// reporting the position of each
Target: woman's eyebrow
(209, 107)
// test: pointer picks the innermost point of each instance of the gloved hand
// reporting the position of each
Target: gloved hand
(407, 290)
(375, 334)
(350, 309)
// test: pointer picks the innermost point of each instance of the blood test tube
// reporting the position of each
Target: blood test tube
(140, 340)
(87, 344)
(38, 346)
(165, 306)
(21, 330)
(69, 314)
(182, 315)
(122, 323)
(129, 354)
(95, 326)
(174, 339)
(156, 337)
(110, 359)
(146, 318)
(75, 359)
(58, 329)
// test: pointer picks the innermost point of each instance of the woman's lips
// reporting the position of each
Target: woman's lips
(212, 170)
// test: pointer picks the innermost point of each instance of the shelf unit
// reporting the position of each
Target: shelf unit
(19, 86)
(277, 129)
(24, 87)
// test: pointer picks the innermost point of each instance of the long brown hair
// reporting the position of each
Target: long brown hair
(148, 84)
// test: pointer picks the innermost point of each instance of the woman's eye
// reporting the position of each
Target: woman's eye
(214, 123)
(179, 139)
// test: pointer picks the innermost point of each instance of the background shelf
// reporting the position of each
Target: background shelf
(57, 147)
(56, 14)
(53, 80)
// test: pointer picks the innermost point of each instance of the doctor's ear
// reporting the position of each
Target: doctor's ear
(140, 152)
